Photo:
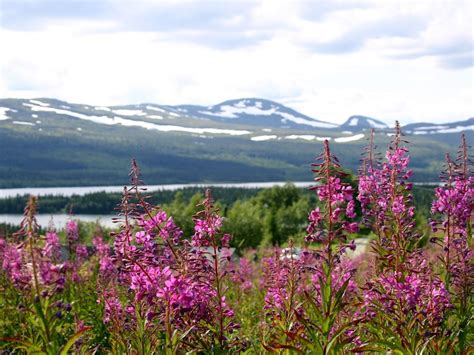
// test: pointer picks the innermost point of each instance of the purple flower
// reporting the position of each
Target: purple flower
(52, 247)
(14, 267)
(416, 296)
(72, 231)
(81, 252)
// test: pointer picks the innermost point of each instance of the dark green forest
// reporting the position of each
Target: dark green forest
(253, 216)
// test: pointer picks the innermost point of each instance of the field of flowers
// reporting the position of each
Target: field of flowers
(154, 290)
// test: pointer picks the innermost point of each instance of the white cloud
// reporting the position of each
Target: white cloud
(328, 59)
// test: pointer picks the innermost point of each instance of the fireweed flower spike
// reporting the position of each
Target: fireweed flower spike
(177, 286)
(29, 228)
(385, 197)
(145, 262)
(452, 211)
(283, 281)
(308, 295)
(405, 302)
(31, 265)
(452, 214)
(329, 226)
(212, 253)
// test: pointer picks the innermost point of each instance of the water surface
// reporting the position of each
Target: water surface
(60, 220)
(83, 190)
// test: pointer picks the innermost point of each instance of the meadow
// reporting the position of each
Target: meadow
(173, 280)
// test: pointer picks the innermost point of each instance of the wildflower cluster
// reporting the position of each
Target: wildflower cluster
(149, 288)
(385, 197)
(177, 285)
(33, 265)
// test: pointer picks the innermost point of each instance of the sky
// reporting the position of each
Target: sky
(411, 60)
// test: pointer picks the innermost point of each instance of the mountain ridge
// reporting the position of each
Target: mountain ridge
(252, 112)
(49, 142)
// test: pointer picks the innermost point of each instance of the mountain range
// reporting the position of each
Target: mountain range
(49, 142)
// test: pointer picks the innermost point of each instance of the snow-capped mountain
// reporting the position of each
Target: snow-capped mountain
(49, 142)
(357, 123)
(432, 128)
(248, 117)
(255, 112)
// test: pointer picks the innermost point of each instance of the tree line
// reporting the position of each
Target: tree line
(254, 217)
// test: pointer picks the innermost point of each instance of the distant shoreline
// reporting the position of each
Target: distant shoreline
(84, 190)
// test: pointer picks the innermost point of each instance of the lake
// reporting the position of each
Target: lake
(84, 190)
(105, 220)
(60, 219)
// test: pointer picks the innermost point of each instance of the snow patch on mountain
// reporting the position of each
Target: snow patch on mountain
(234, 111)
(349, 139)
(363, 122)
(23, 123)
(3, 113)
(37, 102)
(124, 112)
(307, 137)
(299, 120)
(353, 122)
(246, 109)
(132, 123)
(375, 124)
(456, 129)
(154, 108)
(263, 138)
(429, 128)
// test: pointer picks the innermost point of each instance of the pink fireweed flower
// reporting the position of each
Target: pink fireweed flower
(455, 200)
(205, 229)
(171, 232)
(13, 265)
(282, 279)
(416, 296)
(315, 216)
(114, 312)
(211, 255)
(159, 225)
(241, 274)
(342, 273)
(52, 274)
(350, 209)
(338, 202)
(106, 266)
(81, 252)
(225, 240)
(72, 231)
(386, 202)
(452, 211)
(150, 224)
(52, 247)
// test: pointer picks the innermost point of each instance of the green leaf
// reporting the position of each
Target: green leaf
(72, 340)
